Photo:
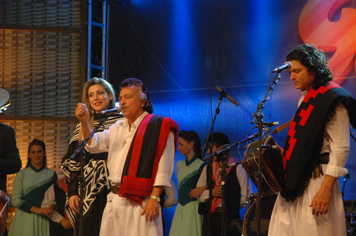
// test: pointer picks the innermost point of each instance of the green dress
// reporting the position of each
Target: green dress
(29, 188)
(186, 220)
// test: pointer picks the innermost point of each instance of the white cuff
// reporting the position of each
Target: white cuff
(335, 171)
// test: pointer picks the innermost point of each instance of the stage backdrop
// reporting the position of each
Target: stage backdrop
(180, 47)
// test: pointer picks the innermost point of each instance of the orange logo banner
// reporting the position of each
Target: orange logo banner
(317, 26)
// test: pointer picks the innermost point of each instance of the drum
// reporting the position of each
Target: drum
(350, 217)
(4, 200)
(272, 163)
(249, 227)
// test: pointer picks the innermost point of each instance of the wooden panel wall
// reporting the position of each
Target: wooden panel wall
(43, 67)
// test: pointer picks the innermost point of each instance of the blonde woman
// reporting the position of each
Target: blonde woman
(98, 95)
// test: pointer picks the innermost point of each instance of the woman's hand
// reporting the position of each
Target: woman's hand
(82, 112)
(66, 223)
(52, 207)
(38, 210)
(74, 203)
(197, 191)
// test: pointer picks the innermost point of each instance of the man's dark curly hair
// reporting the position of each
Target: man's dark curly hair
(219, 139)
(144, 92)
(314, 60)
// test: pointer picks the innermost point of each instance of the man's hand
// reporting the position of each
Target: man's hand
(216, 191)
(74, 203)
(280, 149)
(321, 200)
(151, 209)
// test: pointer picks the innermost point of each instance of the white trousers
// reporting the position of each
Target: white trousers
(296, 218)
(123, 218)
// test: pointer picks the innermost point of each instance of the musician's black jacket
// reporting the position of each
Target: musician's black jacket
(10, 161)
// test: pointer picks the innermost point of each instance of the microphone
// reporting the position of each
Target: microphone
(252, 136)
(268, 146)
(287, 65)
(270, 124)
(226, 95)
(115, 110)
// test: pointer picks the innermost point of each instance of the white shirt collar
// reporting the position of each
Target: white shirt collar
(137, 122)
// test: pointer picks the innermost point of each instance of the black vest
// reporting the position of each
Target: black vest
(56, 229)
(233, 195)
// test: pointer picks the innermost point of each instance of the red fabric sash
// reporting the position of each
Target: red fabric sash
(216, 201)
(144, 155)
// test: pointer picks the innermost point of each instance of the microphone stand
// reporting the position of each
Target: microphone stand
(223, 177)
(210, 160)
(346, 177)
(217, 111)
(223, 193)
(258, 120)
(81, 152)
(223, 156)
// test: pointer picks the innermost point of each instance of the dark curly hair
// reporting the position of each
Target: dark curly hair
(144, 92)
(219, 139)
(315, 60)
(192, 136)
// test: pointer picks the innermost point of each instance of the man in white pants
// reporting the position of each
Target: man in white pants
(315, 152)
(136, 178)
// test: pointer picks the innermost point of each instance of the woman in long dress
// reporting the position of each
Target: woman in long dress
(29, 187)
(98, 95)
(186, 220)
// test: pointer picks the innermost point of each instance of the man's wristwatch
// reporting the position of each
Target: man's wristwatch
(155, 198)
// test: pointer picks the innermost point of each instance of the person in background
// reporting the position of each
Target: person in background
(55, 197)
(10, 163)
(315, 152)
(98, 96)
(29, 187)
(140, 159)
(169, 198)
(238, 188)
(186, 220)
